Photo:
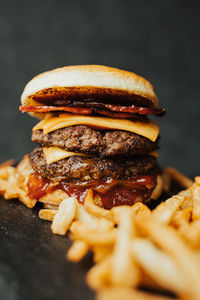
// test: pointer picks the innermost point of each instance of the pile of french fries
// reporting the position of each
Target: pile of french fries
(134, 249)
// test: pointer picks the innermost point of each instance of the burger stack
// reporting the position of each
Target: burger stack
(94, 133)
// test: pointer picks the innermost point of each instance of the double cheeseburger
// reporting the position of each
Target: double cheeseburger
(94, 133)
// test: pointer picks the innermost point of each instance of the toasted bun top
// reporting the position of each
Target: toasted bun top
(86, 82)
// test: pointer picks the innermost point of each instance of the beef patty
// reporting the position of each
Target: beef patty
(92, 168)
(86, 140)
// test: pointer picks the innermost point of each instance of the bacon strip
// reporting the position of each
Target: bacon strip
(42, 109)
(135, 109)
(113, 114)
(114, 111)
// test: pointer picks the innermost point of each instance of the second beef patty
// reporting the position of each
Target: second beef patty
(92, 168)
(87, 140)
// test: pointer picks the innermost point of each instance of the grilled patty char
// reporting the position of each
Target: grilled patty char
(91, 168)
(103, 143)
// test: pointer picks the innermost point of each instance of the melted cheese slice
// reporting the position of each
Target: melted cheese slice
(147, 129)
(53, 154)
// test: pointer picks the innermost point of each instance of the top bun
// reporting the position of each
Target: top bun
(89, 83)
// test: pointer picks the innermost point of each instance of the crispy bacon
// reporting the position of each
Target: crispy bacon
(113, 114)
(110, 110)
(45, 108)
(135, 109)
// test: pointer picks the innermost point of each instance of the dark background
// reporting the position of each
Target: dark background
(156, 39)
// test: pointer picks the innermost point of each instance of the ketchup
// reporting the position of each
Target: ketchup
(39, 186)
(113, 192)
(79, 193)
(124, 196)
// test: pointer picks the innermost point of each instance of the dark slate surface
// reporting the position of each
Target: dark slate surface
(32, 259)
(157, 39)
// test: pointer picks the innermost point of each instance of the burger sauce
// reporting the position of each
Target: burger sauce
(112, 192)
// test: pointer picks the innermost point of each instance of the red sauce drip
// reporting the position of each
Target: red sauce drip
(79, 193)
(39, 186)
(124, 196)
(112, 192)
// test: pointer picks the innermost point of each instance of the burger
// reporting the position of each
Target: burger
(94, 133)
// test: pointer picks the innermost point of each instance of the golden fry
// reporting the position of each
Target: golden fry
(158, 265)
(114, 293)
(92, 234)
(7, 163)
(164, 212)
(77, 251)
(195, 189)
(124, 270)
(169, 240)
(141, 209)
(101, 252)
(95, 209)
(50, 206)
(47, 214)
(53, 198)
(197, 180)
(84, 216)
(24, 198)
(98, 276)
(64, 216)
(182, 217)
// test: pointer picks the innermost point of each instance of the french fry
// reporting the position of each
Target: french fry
(47, 214)
(7, 163)
(182, 217)
(24, 198)
(197, 180)
(124, 270)
(8, 182)
(101, 252)
(9, 191)
(77, 251)
(114, 293)
(53, 198)
(164, 212)
(50, 206)
(158, 265)
(99, 275)
(93, 235)
(169, 240)
(195, 189)
(95, 209)
(191, 233)
(84, 216)
(11, 186)
(64, 216)
(24, 169)
(179, 177)
(188, 202)
(141, 209)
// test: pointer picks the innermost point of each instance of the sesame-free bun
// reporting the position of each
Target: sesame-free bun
(89, 83)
